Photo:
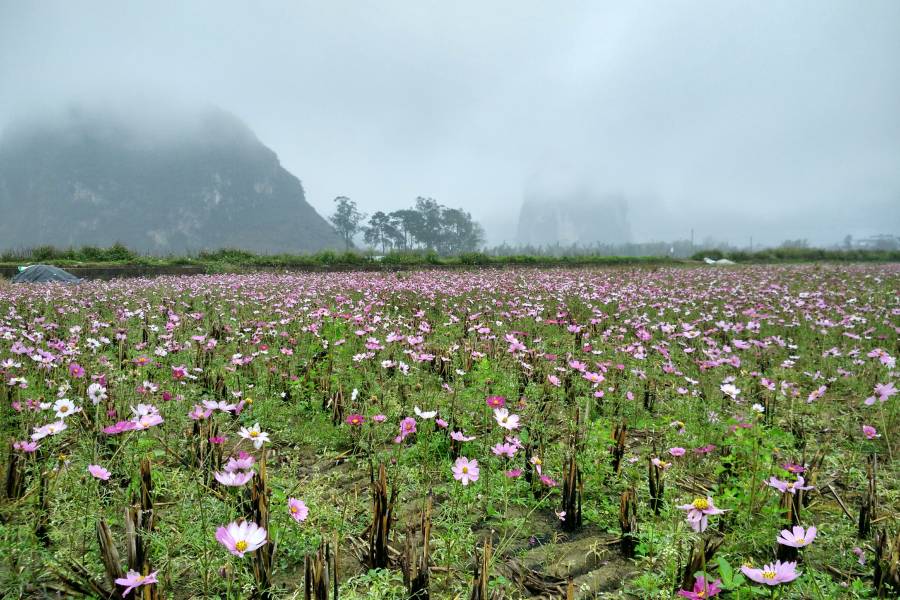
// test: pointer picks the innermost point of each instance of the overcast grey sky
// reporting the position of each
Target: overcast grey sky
(767, 119)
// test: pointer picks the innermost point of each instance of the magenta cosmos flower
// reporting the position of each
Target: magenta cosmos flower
(496, 401)
(355, 420)
(870, 432)
(797, 538)
(465, 470)
(98, 472)
(698, 512)
(703, 589)
(298, 509)
(773, 574)
(134, 579)
(676, 451)
(241, 537)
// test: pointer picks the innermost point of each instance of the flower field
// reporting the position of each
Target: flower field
(583, 433)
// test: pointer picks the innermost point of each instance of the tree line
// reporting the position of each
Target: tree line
(427, 226)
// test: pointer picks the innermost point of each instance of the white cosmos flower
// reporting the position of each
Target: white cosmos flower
(65, 407)
(256, 435)
(96, 392)
(426, 415)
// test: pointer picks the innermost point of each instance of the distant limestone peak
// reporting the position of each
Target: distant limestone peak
(161, 183)
(570, 217)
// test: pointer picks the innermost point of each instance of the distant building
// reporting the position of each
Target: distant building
(878, 242)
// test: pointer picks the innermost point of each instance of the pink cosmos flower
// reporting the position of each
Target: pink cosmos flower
(48, 429)
(861, 555)
(26, 446)
(496, 401)
(660, 464)
(798, 538)
(234, 478)
(676, 451)
(198, 414)
(514, 473)
(459, 436)
(220, 405)
(702, 589)
(379, 418)
(546, 480)
(76, 370)
(506, 420)
(698, 512)
(119, 427)
(442, 422)
(98, 472)
(355, 420)
(147, 421)
(553, 379)
(134, 579)
(870, 432)
(217, 440)
(241, 463)
(560, 515)
(792, 468)
(298, 509)
(465, 470)
(407, 426)
(537, 464)
(507, 450)
(787, 486)
(774, 573)
(241, 537)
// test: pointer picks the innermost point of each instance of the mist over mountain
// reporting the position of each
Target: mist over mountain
(159, 182)
(552, 215)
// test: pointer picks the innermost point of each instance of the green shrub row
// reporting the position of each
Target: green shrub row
(120, 254)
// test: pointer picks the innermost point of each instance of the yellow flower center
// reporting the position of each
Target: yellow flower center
(249, 400)
(768, 575)
(662, 464)
(701, 504)
(202, 416)
(294, 509)
(701, 594)
(240, 546)
(465, 469)
(254, 434)
(141, 578)
(62, 458)
(680, 424)
(408, 426)
(504, 419)
(63, 408)
(801, 541)
(790, 485)
(537, 461)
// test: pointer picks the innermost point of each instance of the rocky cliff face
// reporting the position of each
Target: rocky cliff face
(576, 217)
(200, 181)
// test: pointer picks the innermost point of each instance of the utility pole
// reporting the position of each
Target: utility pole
(692, 241)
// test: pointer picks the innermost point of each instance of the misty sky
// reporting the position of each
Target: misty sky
(767, 119)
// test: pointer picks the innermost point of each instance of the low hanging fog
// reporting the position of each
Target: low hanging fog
(609, 122)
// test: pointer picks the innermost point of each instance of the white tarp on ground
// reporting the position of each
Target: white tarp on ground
(724, 261)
